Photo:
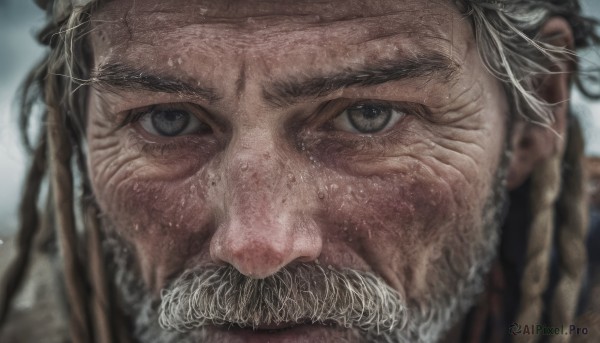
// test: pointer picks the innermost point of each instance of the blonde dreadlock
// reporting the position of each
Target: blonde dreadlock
(545, 188)
(62, 188)
(505, 31)
(572, 228)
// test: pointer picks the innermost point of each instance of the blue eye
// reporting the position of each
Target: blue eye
(171, 122)
(367, 118)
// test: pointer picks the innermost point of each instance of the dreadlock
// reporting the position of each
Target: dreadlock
(506, 33)
(59, 158)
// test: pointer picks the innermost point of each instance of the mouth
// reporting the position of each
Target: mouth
(274, 327)
(271, 332)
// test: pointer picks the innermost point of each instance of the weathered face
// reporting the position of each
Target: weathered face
(267, 134)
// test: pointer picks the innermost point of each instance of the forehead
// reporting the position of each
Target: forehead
(189, 12)
(284, 28)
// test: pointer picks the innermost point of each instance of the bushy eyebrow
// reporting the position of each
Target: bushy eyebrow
(120, 76)
(125, 77)
(295, 89)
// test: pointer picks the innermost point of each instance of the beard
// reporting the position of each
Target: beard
(358, 303)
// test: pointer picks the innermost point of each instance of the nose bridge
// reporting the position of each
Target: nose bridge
(261, 229)
(254, 166)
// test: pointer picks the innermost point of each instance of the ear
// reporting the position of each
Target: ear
(531, 142)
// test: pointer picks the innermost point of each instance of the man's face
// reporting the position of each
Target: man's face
(264, 135)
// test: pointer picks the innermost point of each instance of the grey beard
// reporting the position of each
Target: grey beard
(309, 293)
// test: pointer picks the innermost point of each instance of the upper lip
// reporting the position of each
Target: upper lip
(275, 326)
(280, 326)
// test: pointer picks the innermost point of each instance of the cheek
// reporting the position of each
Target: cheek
(160, 210)
(167, 223)
(395, 205)
(403, 222)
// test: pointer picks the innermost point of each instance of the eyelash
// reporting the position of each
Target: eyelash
(134, 116)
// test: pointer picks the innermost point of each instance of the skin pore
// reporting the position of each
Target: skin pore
(268, 166)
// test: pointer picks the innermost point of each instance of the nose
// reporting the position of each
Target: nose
(266, 224)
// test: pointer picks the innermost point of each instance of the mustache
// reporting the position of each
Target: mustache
(304, 293)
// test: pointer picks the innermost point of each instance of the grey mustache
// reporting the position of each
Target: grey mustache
(305, 293)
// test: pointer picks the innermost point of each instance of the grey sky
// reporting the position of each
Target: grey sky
(19, 20)
(18, 52)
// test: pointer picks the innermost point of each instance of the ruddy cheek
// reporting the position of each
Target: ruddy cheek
(396, 223)
(145, 199)
(397, 205)
(140, 193)
(167, 223)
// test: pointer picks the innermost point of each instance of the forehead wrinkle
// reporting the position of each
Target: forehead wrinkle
(378, 30)
(321, 11)
(240, 83)
(150, 26)
(371, 39)
(372, 28)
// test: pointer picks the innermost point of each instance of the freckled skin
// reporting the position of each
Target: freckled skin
(248, 194)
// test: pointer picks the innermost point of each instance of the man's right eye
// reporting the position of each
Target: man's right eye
(171, 122)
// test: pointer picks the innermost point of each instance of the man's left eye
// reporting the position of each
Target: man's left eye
(170, 122)
(367, 118)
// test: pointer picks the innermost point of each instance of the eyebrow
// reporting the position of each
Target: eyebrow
(123, 76)
(294, 90)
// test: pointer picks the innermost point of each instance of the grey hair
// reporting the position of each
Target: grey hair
(507, 34)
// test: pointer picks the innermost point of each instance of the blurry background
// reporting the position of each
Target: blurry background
(20, 19)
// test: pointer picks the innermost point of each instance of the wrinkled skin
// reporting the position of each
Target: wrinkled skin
(273, 184)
